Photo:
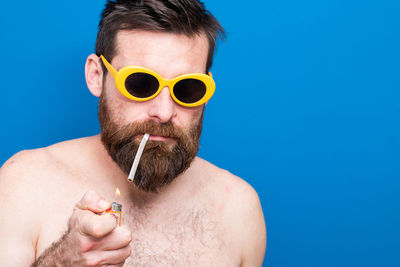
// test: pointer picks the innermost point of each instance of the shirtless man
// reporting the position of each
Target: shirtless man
(180, 210)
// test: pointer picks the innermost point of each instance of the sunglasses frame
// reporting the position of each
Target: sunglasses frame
(121, 76)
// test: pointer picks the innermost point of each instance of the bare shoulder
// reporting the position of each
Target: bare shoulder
(230, 186)
(36, 166)
(19, 227)
(21, 171)
(39, 172)
(30, 172)
(240, 206)
(27, 181)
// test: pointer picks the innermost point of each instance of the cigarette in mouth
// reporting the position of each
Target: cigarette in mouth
(137, 157)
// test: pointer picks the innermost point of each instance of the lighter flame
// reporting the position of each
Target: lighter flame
(117, 192)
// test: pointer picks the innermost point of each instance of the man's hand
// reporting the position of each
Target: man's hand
(93, 238)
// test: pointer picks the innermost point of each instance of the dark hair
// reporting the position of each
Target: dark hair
(188, 17)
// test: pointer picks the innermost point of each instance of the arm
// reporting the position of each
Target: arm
(91, 239)
(18, 227)
(254, 232)
(245, 221)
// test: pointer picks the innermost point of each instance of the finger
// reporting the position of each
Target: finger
(119, 238)
(94, 202)
(97, 226)
(118, 256)
(105, 258)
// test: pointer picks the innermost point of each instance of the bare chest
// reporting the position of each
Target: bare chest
(178, 238)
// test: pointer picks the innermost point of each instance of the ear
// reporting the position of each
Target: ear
(94, 74)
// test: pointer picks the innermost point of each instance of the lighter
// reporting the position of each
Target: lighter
(116, 211)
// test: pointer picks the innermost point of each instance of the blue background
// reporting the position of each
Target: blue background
(306, 110)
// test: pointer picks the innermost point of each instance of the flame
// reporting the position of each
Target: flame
(117, 192)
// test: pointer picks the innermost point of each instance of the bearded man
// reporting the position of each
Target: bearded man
(151, 72)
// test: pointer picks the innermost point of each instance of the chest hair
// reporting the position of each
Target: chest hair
(174, 237)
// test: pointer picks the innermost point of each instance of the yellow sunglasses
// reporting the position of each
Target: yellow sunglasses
(142, 84)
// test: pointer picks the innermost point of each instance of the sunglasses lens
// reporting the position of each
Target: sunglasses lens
(141, 85)
(189, 90)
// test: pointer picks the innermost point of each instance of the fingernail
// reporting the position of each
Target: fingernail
(103, 204)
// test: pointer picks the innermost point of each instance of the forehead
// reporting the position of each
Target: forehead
(165, 52)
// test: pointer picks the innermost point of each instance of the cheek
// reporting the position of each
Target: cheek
(122, 109)
(187, 117)
(128, 112)
(112, 91)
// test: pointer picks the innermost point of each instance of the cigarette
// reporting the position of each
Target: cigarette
(137, 157)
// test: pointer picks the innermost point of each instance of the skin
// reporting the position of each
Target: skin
(52, 198)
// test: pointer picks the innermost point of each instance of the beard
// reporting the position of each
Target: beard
(161, 162)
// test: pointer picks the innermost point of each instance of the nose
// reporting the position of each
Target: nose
(162, 107)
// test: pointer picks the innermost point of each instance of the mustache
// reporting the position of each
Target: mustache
(131, 130)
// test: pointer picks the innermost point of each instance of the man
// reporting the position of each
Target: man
(150, 71)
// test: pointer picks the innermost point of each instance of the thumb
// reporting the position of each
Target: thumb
(94, 202)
